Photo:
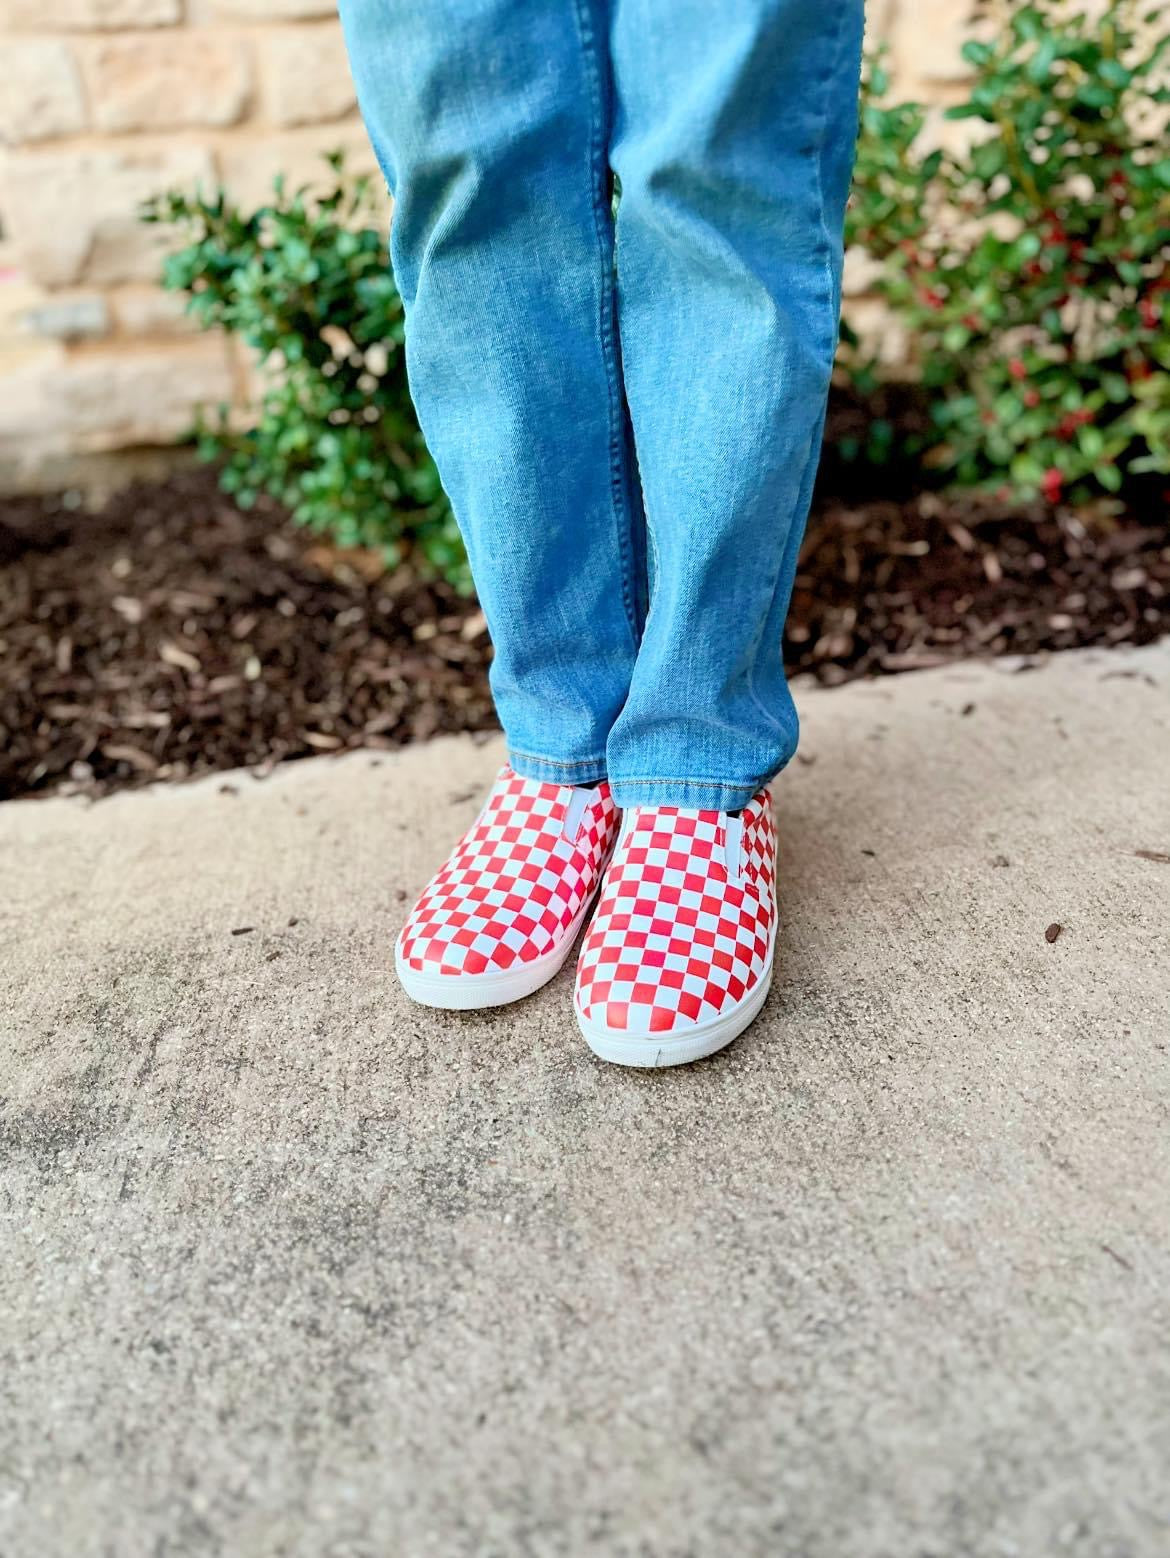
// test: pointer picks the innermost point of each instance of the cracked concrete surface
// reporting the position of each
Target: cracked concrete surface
(290, 1267)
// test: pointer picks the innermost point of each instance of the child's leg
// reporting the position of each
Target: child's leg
(733, 141)
(492, 122)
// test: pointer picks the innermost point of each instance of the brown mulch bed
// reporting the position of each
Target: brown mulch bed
(884, 587)
(170, 634)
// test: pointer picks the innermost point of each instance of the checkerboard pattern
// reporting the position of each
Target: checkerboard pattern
(678, 938)
(515, 882)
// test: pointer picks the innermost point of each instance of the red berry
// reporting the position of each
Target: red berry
(1016, 368)
(1051, 484)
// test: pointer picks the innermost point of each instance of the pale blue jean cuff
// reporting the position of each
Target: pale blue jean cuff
(697, 794)
(551, 770)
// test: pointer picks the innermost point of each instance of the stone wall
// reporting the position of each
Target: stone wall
(104, 102)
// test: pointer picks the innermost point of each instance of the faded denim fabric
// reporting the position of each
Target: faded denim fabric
(627, 415)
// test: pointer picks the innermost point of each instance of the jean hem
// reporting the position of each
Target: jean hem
(694, 794)
(552, 770)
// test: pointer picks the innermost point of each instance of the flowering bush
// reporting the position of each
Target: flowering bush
(305, 282)
(1032, 271)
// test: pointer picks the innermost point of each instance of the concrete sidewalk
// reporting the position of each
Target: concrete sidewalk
(288, 1267)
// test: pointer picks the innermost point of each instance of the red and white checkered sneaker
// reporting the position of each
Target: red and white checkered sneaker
(500, 918)
(678, 958)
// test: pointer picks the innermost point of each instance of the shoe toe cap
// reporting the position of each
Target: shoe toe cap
(442, 949)
(649, 1016)
(652, 1012)
(428, 952)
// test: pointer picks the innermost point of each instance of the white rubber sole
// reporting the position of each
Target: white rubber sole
(694, 1043)
(471, 992)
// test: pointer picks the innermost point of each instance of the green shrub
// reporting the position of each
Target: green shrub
(305, 282)
(1031, 271)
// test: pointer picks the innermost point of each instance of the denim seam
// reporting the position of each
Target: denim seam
(812, 458)
(598, 160)
(751, 785)
(556, 762)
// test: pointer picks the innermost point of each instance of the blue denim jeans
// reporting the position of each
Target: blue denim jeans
(626, 411)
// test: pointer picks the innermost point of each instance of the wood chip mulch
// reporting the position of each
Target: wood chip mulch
(170, 634)
(884, 587)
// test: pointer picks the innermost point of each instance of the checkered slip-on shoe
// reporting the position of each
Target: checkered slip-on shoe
(501, 916)
(678, 958)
